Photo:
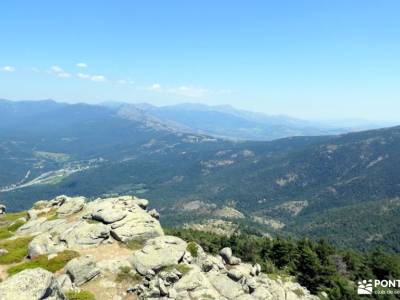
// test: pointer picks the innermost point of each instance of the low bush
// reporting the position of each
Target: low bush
(14, 226)
(42, 261)
(7, 230)
(192, 248)
(82, 295)
(134, 245)
(13, 216)
(125, 274)
(183, 268)
(4, 233)
(17, 250)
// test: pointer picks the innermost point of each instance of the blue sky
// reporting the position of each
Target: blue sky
(310, 59)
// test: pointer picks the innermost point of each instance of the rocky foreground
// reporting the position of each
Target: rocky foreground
(120, 252)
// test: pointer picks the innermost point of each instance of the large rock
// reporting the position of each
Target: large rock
(206, 261)
(137, 225)
(82, 269)
(65, 283)
(70, 205)
(84, 235)
(225, 286)
(39, 225)
(123, 202)
(226, 254)
(109, 215)
(31, 284)
(113, 265)
(157, 253)
(45, 243)
(197, 284)
(262, 293)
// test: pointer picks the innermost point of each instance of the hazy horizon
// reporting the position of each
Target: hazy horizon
(350, 121)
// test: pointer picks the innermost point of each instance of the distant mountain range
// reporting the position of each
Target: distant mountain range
(228, 122)
(343, 187)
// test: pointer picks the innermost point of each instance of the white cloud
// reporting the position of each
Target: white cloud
(189, 91)
(125, 81)
(64, 75)
(56, 69)
(59, 72)
(155, 87)
(83, 76)
(81, 65)
(97, 78)
(8, 69)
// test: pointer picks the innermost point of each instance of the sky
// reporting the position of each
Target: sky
(317, 59)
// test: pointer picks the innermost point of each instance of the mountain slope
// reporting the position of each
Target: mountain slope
(301, 185)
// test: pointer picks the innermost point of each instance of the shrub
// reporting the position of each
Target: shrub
(93, 221)
(14, 226)
(183, 268)
(299, 292)
(13, 216)
(82, 295)
(134, 245)
(42, 261)
(125, 274)
(4, 233)
(49, 215)
(7, 231)
(193, 249)
(52, 217)
(17, 250)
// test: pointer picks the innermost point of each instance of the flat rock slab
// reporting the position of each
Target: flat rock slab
(45, 243)
(157, 253)
(82, 269)
(137, 225)
(39, 225)
(226, 286)
(83, 235)
(71, 205)
(109, 216)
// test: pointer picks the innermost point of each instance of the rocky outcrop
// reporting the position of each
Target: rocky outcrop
(39, 225)
(34, 284)
(226, 254)
(69, 205)
(165, 267)
(45, 243)
(138, 225)
(83, 234)
(158, 253)
(229, 282)
(82, 269)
